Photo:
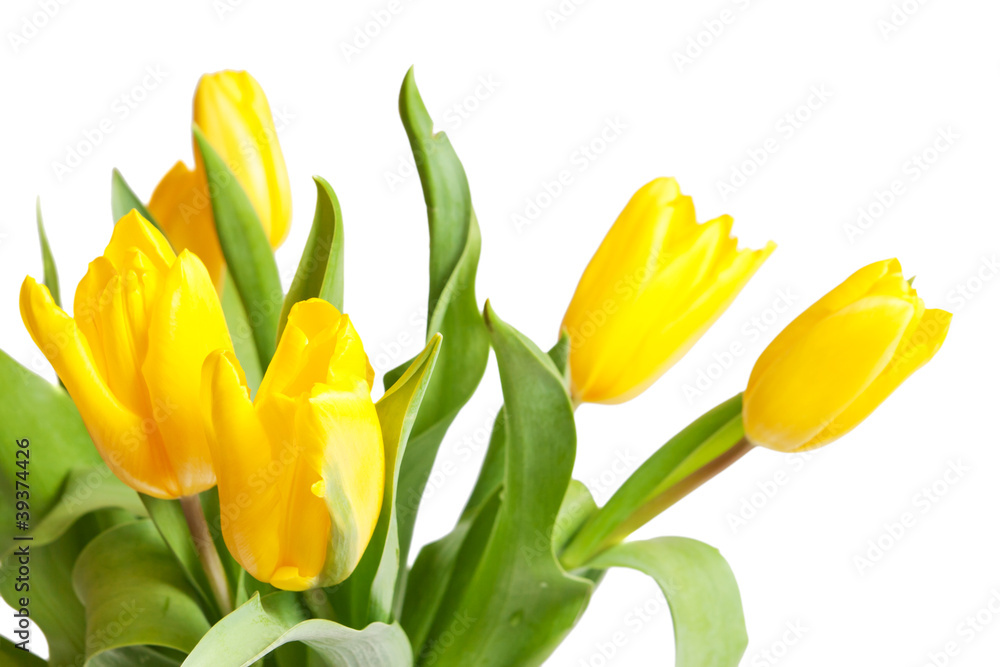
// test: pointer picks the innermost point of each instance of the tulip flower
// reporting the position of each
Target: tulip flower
(233, 113)
(656, 284)
(301, 468)
(836, 362)
(144, 320)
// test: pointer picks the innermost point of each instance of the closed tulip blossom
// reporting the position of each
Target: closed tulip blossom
(302, 465)
(656, 284)
(840, 359)
(233, 113)
(144, 320)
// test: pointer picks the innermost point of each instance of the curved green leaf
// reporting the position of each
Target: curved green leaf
(52, 602)
(452, 307)
(135, 594)
(33, 409)
(51, 279)
(321, 268)
(646, 492)
(168, 517)
(15, 657)
(87, 489)
(701, 591)
(367, 595)
(246, 249)
(519, 603)
(436, 564)
(262, 625)
(240, 333)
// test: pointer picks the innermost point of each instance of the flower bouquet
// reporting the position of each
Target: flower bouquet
(213, 485)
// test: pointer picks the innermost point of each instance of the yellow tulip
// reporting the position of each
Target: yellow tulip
(836, 362)
(301, 468)
(233, 113)
(656, 284)
(144, 320)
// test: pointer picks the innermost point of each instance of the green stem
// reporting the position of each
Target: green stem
(695, 455)
(209, 557)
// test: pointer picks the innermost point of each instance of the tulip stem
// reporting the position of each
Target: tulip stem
(207, 554)
(600, 536)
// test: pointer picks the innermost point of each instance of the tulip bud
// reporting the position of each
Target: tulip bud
(233, 113)
(301, 468)
(144, 320)
(836, 362)
(656, 284)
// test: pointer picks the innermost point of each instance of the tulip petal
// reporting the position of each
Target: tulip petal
(249, 494)
(655, 285)
(232, 111)
(859, 284)
(85, 307)
(816, 377)
(124, 439)
(914, 350)
(185, 325)
(183, 209)
(353, 470)
(133, 232)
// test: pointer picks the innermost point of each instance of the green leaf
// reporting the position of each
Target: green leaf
(33, 409)
(519, 603)
(367, 595)
(263, 624)
(701, 591)
(577, 507)
(51, 279)
(168, 517)
(124, 199)
(87, 489)
(127, 578)
(52, 602)
(15, 657)
(647, 492)
(246, 249)
(433, 570)
(452, 307)
(241, 333)
(321, 268)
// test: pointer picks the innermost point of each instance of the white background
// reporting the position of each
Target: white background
(556, 85)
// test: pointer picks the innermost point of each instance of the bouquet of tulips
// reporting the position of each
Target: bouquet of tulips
(213, 485)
